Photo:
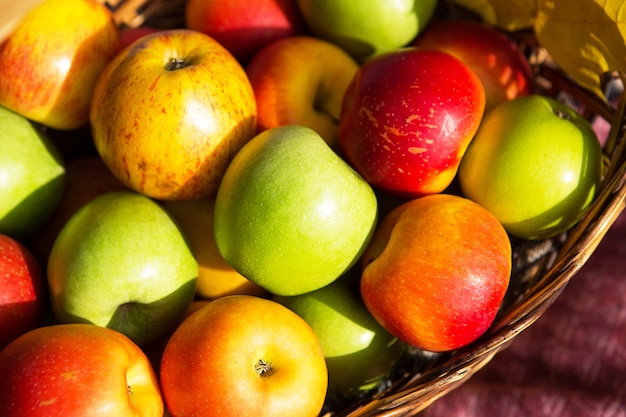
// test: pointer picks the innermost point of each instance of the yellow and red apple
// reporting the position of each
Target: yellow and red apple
(301, 80)
(50, 63)
(436, 271)
(244, 356)
(169, 112)
(77, 370)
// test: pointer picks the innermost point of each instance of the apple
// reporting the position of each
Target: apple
(32, 175)
(244, 356)
(407, 119)
(501, 66)
(50, 62)
(85, 178)
(244, 28)
(23, 294)
(359, 352)
(128, 35)
(169, 112)
(367, 29)
(74, 370)
(290, 214)
(436, 272)
(216, 278)
(122, 262)
(536, 164)
(301, 80)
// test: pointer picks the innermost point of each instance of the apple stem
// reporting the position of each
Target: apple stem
(264, 368)
(175, 64)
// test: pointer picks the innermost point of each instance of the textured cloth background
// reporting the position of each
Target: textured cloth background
(571, 362)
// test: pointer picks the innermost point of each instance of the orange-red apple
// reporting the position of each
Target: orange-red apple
(74, 370)
(495, 59)
(244, 356)
(170, 111)
(243, 27)
(50, 62)
(301, 80)
(436, 271)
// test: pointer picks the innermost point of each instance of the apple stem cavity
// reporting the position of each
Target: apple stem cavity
(264, 368)
(176, 63)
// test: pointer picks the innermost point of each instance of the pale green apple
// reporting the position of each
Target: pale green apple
(359, 352)
(366, 29)
(290, 214)
(534, 163)
(121, 262)
(32, 175)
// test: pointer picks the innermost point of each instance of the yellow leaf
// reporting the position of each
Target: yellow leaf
(506, 14)
(586, 38)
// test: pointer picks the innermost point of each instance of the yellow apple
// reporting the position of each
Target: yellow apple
(216, 278)
(170, 111)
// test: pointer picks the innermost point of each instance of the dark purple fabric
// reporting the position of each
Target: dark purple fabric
(571, 362)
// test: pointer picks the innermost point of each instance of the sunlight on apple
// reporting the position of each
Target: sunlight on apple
(63, 65)
(4, 178)
(327, 209)
(148, 271)
(449, 125)
(196, 115)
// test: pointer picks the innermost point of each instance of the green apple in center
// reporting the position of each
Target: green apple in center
(121, 262)
(290, 214)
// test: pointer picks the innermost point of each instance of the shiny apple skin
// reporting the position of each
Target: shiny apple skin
(407, 119)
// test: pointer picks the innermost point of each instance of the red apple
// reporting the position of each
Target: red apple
(301, 80)
(436, 271)
(50, 62)
(129, 35)
(243, 27)
(407, 119)
(74, 370)
(244, 356)
(497, 61)
(22, 290)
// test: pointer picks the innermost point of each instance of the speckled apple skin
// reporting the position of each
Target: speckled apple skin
(407, 119)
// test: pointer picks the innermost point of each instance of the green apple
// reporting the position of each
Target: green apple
(366, 29)
(121, 262)
(32, 175)
(290, 214)
(534, 163)
(359, 352)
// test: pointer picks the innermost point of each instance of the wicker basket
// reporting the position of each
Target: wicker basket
(542, 268)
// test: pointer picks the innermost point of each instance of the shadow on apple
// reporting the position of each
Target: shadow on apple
(26, 217)
(145, 323)
(17, 318)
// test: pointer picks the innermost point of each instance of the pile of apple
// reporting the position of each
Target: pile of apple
(275, 201)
